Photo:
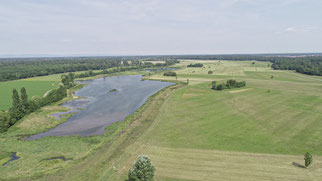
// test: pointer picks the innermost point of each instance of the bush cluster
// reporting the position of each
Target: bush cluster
(195, 65)
(228, 85)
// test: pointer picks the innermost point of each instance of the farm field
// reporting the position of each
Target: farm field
(191, 132)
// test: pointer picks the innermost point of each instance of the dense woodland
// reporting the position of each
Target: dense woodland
(307, 65)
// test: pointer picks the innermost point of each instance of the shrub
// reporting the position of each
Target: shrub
(307, 159)
(210, 72)
(142, 170)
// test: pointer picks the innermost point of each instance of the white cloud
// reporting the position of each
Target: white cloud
(300, 29)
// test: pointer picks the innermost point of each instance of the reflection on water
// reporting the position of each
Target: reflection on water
(102, 107)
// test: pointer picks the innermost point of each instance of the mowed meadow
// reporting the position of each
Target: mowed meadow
(259, 132)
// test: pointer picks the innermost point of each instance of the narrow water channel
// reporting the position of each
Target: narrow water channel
(102, 107)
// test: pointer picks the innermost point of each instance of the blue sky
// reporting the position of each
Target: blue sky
(146, 27)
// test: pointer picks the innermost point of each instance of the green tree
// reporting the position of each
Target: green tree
(220, 87)
(64, 80)
(307, 159)
(4, 122)
(213, 85)
(15, 99)
(24, 100)
(142, 170)
(15, 112)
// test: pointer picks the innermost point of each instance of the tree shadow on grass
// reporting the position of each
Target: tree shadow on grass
(298, 165)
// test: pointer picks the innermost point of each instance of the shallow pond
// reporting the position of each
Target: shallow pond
(13, 158)
(102, 107)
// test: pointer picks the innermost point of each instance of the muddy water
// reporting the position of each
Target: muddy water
(102, 107)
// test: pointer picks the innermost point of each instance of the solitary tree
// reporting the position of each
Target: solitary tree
(308, 159)
(142, 170)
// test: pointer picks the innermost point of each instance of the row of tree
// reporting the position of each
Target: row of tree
(228, 85)
(195, 65)
(21, 105)
(91, 73)
(170, 73)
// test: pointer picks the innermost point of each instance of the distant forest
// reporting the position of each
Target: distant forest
(310, 64)
(19, 68)
(13, 69)
(305, 65)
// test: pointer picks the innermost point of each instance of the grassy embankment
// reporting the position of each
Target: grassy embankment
(255, 133)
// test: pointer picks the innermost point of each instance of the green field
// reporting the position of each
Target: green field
(259, 132)
(33, 87)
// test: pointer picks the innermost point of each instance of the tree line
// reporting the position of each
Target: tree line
(22, 106)
(170, 73)
(91, 73)
(195, 65)
(307, 65)
(228, 85)
(13, 69)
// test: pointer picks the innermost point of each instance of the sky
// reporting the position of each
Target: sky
(158, 27)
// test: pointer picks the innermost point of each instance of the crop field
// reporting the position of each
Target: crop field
(191, 132)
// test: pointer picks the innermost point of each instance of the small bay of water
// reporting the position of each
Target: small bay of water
(101, 107)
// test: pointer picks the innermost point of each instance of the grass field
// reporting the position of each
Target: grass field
(33, 87)
(255, 133)
(259, 132)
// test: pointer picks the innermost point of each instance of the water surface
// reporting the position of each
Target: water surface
(102, 107)
(13, 158)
